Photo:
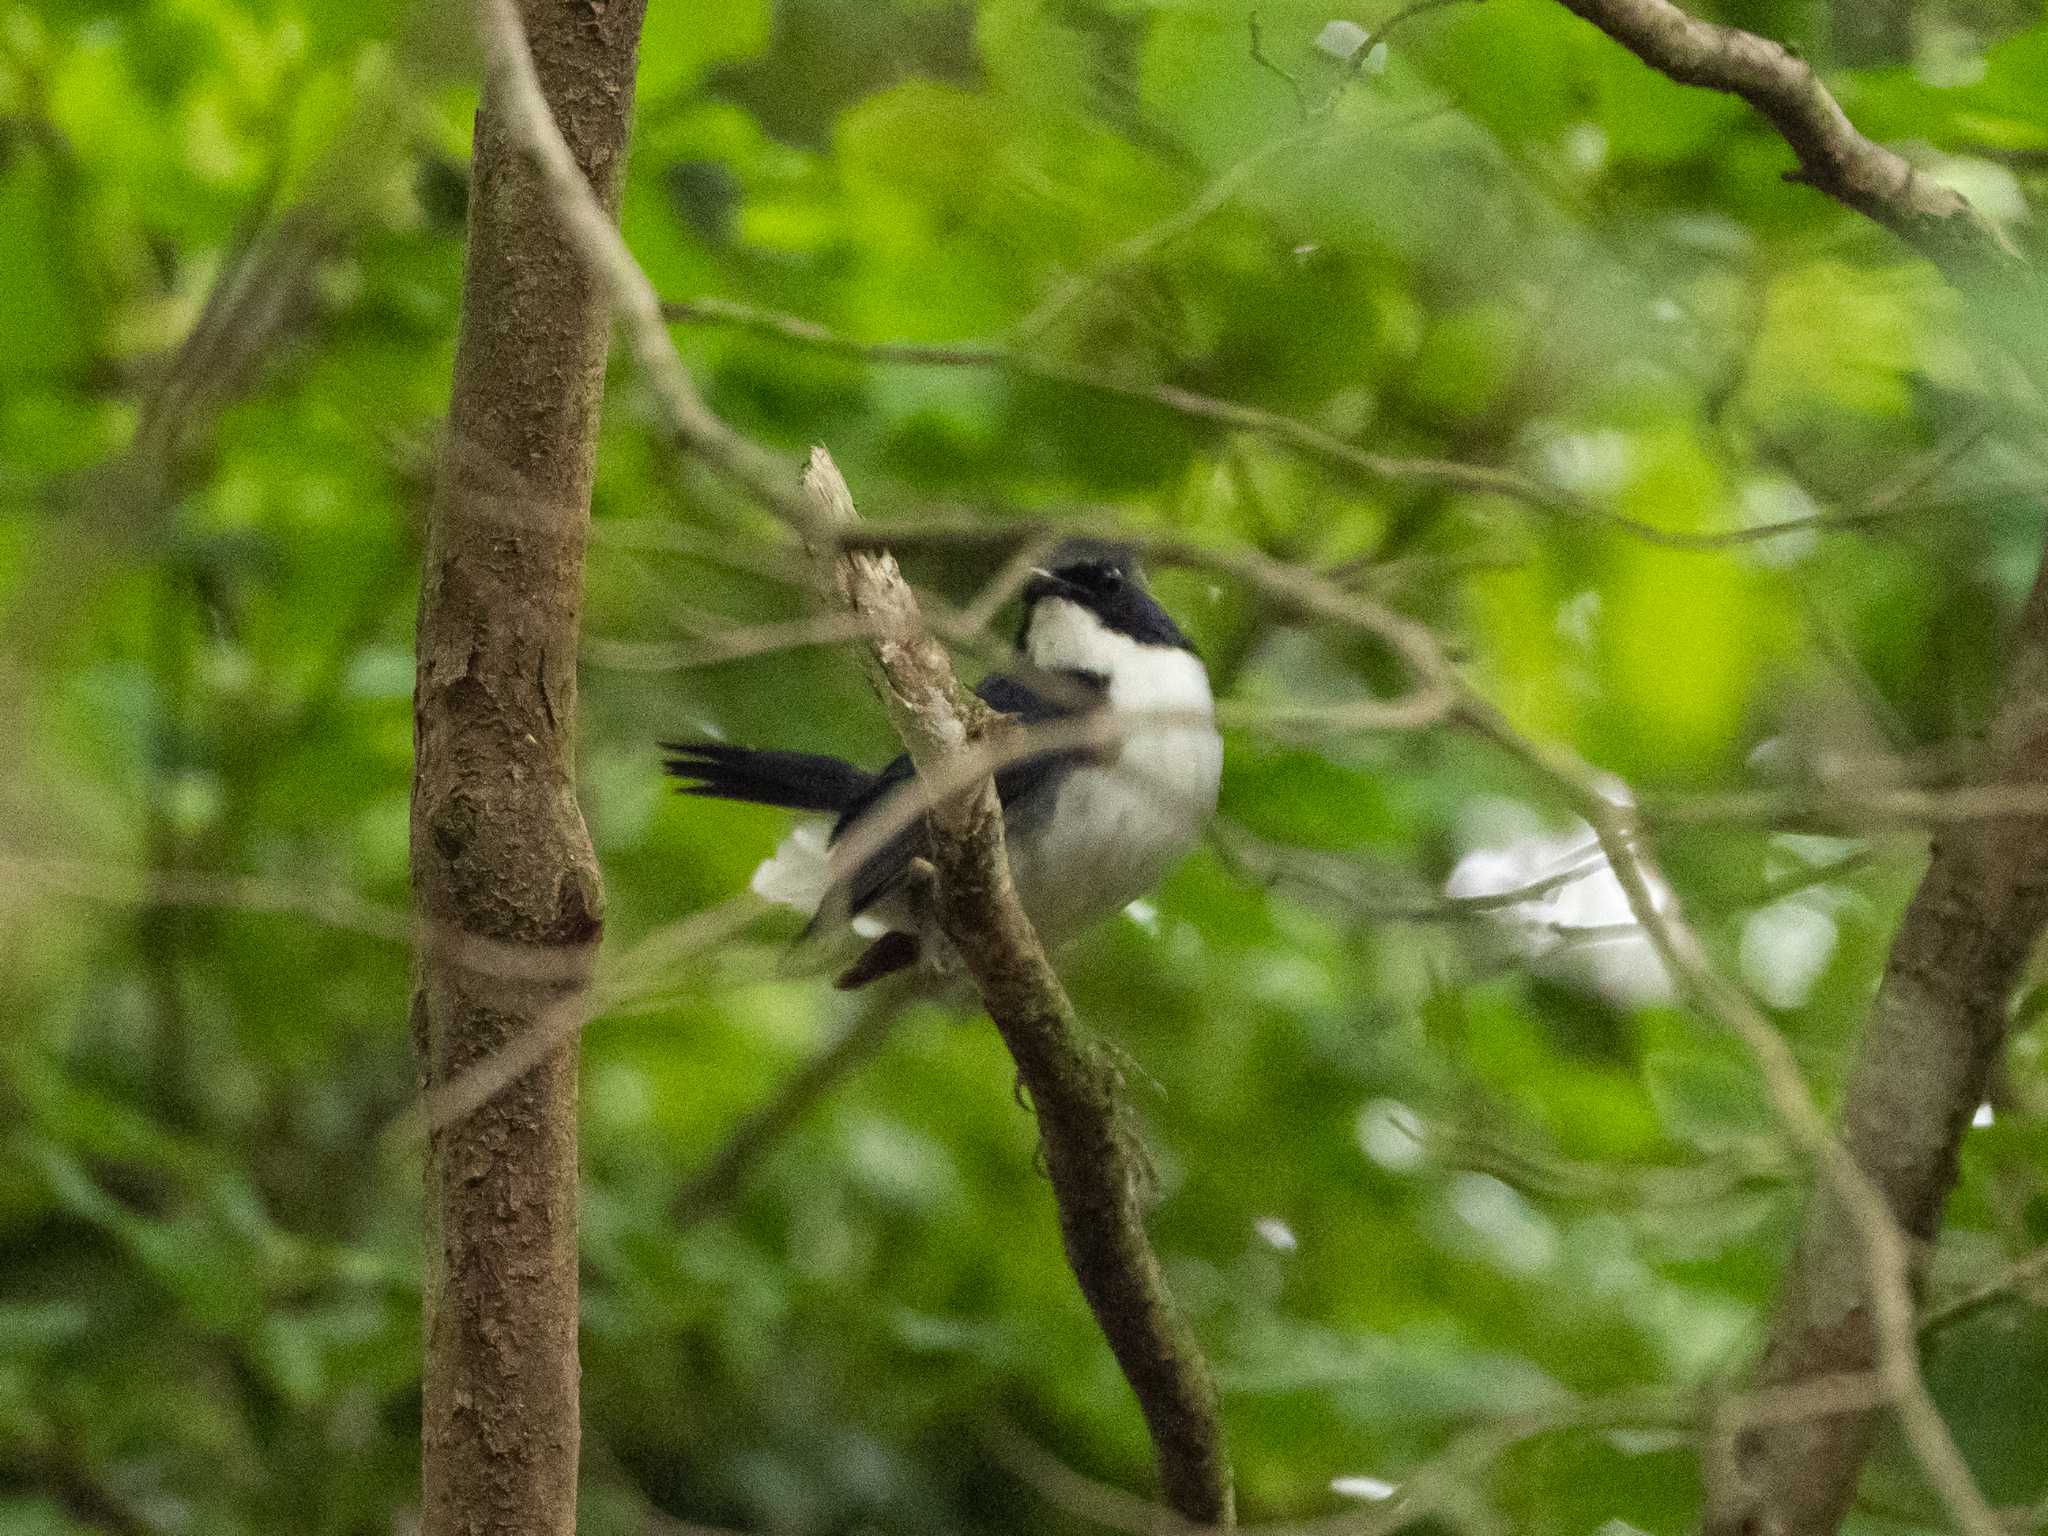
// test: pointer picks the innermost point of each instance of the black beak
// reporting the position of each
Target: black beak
(1044, 583)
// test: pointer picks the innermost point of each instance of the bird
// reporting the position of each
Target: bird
(1090, 824)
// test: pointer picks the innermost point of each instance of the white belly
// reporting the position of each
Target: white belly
(1116, 828)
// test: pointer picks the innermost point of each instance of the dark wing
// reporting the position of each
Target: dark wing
(1019, 785)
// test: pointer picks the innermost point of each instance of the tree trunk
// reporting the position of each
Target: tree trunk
(1935, 1030)
(505, 884)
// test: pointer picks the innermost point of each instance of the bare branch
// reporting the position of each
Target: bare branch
(1833, 156)
(2019, 1278)
(1091, 1152)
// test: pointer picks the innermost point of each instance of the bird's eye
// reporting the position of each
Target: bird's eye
(1112, 579)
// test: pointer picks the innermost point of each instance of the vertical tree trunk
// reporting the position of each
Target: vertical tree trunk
(1936, 1028)
(504, 880)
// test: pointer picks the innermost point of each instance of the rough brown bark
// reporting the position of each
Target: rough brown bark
(505, 884)
(1923, 1068)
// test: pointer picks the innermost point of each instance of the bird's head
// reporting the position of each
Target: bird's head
(1087, 606)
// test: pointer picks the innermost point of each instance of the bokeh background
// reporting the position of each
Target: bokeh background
(1447, 1182)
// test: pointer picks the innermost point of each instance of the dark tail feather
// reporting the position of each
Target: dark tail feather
(796, 781)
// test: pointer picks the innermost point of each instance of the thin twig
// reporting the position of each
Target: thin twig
(1264, 60)
(713, 1184)
(1310, 441)
(1375, 468)
(1147, 243)
(95, 880)
(2016, 1279)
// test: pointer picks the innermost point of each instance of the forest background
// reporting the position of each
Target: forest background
(1723, 494)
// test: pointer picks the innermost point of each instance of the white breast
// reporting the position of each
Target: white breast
(1117, 827)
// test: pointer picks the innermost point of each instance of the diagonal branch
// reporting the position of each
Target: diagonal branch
(1091, 1151)
(1834, 157)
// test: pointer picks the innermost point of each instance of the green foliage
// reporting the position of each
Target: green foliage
(1419, 1165)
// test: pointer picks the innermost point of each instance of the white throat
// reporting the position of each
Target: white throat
(1065, 637)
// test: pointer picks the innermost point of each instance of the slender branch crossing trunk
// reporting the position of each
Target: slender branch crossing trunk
(505, 885)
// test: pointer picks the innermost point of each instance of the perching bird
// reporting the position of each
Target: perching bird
(1089, 829)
